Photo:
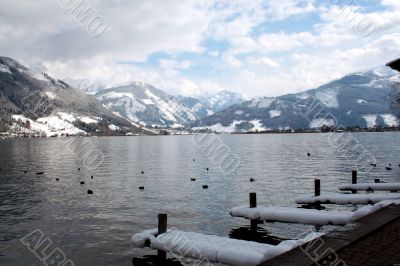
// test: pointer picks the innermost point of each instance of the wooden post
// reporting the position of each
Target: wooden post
(354, 179)
(253, 204)
(317, 187)
(162, 228)
(317, 191)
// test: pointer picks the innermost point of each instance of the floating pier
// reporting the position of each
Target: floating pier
(371, 187)
(293, 215)
(344, 199)
(212, 248)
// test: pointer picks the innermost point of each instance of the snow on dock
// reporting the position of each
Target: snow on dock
(343, 199)
(371, 187)
(307, 216)
(293, 215)
(216, 249)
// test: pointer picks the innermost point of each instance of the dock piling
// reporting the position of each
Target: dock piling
(354, 179)
(317, 191)
(253, 204)
(162, 228)
(317, 187)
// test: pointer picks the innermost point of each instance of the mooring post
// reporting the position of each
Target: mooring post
(253, 204)
(162, 228)
(317, 191)
(354, 179)
(317, 187)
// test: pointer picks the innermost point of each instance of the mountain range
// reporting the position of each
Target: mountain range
(34, 103)
(359, 99)
(147, 105)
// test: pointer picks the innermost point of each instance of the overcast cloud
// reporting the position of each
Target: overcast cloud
(257, 48)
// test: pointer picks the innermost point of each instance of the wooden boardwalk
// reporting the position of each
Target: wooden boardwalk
(375, 241)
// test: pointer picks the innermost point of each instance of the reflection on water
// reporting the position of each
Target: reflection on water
(96, 229)
(261, 235)
(149, 260)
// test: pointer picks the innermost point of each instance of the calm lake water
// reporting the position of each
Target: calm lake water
(96, 229)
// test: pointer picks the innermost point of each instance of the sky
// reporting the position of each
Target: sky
(256, 48)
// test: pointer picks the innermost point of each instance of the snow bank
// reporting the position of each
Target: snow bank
(293, 215)
(343, 199)
(372, 186)
(308, 216)
(216, 249)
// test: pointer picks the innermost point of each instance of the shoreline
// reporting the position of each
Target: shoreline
(364, 130)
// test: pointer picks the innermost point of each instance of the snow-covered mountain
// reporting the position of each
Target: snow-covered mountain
(221, 100)
(198, 107)
(147, 105)
(359, 99)
(85, 85)
(33, 103)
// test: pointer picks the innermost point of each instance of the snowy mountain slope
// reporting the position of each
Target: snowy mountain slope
(146, 104)
(198, 107)
(221, 100)
(31, 98)
(359, 99)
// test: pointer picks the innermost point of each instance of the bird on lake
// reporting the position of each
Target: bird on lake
(90, 191)
(193, 179)
(308, 154)
(252, 180)
(141, 188)
(205, 186)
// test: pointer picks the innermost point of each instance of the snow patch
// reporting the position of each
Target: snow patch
(390, 120)
(148, 101)
(88, 120)
(5, 69)
(113, 127)
(222, 129)
(258, 126)
(320, 122)
(274, 113)
(370, 119)
(329, 98)
(240, 112)
(51, 95)
(361, 101)
(52, 125)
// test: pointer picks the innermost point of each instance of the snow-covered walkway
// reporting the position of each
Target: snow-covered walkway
(371, 187)
(216, 249)
(343, 199)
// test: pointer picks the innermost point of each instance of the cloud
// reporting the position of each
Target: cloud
(258, 48)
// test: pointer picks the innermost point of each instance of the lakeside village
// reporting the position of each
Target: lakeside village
(182, 131)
